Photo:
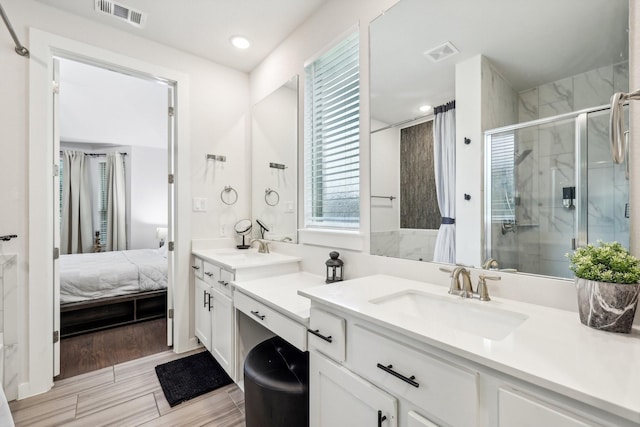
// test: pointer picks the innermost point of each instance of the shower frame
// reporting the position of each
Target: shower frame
(580, 118)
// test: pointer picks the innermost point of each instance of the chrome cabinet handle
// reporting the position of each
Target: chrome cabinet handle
(319, 335)
(205, 299)
(208, 273)
(381, 418)
(195, 267)
(258, 315)
(222, 282)
(388, 369)
(210, 296)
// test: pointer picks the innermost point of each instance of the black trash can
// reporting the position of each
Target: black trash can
(276, 385)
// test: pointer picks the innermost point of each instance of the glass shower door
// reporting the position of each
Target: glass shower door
(538, 205)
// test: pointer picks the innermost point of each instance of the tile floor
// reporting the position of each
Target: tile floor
(127, 394)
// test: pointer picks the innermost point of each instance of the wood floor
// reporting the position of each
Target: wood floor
(97, 350)
(127, 394)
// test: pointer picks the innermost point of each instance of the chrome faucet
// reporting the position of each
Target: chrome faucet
(264, 245)
(490, 264)
(466, 290)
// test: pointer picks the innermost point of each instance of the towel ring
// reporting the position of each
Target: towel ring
(268, 192)
(229, 189)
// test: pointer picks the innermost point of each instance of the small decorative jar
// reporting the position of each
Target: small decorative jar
(335, 271)
(607, 306)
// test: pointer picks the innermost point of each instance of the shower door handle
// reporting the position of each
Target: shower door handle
(573, 244)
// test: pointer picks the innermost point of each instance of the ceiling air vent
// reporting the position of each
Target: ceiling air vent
(122, 12)
(442, 52)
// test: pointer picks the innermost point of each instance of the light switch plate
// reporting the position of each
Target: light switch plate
(199, 204)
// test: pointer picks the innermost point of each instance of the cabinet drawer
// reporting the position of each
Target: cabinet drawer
(211, 273)
(224, 283)
(447, 391)
(327, 334)
(197, 267)
(516, 408)
(292, 331)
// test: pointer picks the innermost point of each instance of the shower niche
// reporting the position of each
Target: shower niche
(551, 186)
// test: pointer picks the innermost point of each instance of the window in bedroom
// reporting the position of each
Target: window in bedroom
(332, 138)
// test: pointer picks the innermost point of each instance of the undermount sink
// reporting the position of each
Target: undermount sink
(235, 258)
(459, 313)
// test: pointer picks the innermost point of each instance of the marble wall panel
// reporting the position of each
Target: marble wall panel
(418, 199)
(9, 295)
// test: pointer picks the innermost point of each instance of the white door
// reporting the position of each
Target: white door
(203, 302)
(56, 219)
(339, 398)
(222, 331)
(171, 210)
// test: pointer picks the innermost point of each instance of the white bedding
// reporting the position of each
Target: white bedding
(106, 274)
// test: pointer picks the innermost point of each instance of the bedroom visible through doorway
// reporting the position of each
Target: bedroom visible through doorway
(113, 131)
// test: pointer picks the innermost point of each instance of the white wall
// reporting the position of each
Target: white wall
(218, 100)
(385, 178)
(148, 191)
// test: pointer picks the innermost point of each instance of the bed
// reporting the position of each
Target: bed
(106, 289)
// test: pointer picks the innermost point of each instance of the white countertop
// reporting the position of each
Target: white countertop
(551, 348)
(281, 293)
(234, 259)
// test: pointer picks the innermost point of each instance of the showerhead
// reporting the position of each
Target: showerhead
(519, 157)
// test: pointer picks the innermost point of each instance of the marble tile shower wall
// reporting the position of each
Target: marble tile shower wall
(405, 243)
(545, 227)
(9, 324)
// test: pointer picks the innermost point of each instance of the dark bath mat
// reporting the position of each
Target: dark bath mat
(190, 377)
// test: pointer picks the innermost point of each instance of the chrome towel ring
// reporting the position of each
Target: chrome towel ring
(231, 194)
(268, 192)
(616, 133)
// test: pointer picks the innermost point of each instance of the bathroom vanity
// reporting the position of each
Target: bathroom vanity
(214, 270)
(405, 353)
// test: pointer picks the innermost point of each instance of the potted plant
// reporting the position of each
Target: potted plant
(607, 283)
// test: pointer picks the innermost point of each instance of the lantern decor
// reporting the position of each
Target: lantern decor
(334, 268)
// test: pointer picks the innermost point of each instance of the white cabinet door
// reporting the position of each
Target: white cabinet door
(203, 315)
(339, 398)
(222, 331)
(516, 409)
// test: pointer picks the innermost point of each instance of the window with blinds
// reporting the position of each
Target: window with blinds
(502, 177)
(332, 143)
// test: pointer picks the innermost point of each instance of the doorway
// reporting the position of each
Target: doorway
(112, 214)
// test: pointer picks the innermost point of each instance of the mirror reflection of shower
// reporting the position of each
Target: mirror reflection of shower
(551, 186)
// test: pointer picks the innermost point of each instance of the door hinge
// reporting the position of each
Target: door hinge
(170, 246)
(56, 336)
(56, 253)
(56, 170)
(172, 111)
(172, 178)
(170, 313)
(56, 87)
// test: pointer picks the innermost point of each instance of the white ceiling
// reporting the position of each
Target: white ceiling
(204, 27)
(531, 42)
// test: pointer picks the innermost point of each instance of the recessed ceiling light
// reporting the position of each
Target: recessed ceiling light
(424, 108)
(240, 42)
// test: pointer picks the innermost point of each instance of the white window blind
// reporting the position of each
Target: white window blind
(332, 142)
(502, 177)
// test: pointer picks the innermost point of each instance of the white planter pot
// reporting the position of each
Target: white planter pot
(607, 306)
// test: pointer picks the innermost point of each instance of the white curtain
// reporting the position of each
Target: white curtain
(116, 203)
(76, 229)
(444, 149)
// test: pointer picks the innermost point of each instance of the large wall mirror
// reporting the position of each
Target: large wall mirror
(537, 61)
(274, 140)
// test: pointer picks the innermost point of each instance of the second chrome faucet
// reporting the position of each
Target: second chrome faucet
(465, 289)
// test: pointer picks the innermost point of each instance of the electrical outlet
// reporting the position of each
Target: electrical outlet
(199, 204)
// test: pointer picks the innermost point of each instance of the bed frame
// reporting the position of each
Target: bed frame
(88, 316)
